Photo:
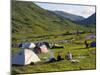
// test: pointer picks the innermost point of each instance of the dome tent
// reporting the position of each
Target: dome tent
(27, 45)
(25, 57)
(40, 48)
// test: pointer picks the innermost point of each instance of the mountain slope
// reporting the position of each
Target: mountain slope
(29, 20)
(28, 17)
(72, 17)
(89, 20)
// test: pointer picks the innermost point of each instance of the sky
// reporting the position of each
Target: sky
(81, 10)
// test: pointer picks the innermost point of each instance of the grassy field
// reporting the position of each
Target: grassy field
(77, 48)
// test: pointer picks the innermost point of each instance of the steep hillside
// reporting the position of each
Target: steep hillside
(72, 17)
(29, 20)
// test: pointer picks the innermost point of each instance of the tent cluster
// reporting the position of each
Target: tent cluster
(36, 47)
(28, 53)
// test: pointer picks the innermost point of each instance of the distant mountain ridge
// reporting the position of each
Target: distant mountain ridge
(90, 20)
(70, 16)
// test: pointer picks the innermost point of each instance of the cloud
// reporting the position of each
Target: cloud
(84, 11)
(88, 11)
(81, 10)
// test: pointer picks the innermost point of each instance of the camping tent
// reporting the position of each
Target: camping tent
(44, 49)
(25, 57)
(27, 45)
(43, 43)
(40, 47)
(93, 44)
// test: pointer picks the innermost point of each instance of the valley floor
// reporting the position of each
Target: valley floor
(77, 48)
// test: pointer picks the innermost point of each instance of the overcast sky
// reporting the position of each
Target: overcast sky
(80, 10)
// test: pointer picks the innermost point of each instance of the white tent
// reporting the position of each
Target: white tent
(28, 45)
(25, 57)
(44, 49)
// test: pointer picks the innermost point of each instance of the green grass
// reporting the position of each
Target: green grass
(87, 63)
